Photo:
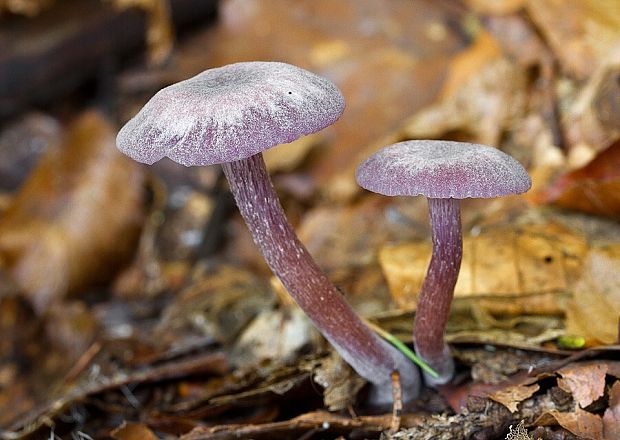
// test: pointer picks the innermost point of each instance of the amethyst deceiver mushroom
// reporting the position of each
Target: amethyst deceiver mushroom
(229, 115)
(444, 172)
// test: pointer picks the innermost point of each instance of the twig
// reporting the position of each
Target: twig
(397, 407)
(83, 362)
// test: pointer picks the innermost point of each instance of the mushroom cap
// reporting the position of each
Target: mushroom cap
(442, 169)
(231, 113)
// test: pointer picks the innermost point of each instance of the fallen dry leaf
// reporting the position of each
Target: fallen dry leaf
(511, 396)
(468, 64)
(76, 218)
(590, 316)
(512, 270)
(580, 423)
(518, 39)
(611, 418)
(594, 307)
(585, 381)
(580, 32)
(594, 189)
(482, 96)
(591, 121)
(613, 369)
(133, 431)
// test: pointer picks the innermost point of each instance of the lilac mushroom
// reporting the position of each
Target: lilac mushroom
(229, 115)
(444, 172)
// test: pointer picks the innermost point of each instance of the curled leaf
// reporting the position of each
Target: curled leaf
(585, 381)
(594, 189)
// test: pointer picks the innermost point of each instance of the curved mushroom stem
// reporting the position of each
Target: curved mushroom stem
(372, 357)
(438, 289)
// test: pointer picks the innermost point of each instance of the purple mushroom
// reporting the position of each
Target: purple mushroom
(444, 172)
(229, 115)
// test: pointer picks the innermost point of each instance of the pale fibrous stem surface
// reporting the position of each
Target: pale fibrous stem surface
(372, 358)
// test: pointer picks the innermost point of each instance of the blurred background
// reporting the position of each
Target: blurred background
(133, 296)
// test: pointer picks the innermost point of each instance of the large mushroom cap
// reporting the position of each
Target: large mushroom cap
(231, 113)
(442, 169)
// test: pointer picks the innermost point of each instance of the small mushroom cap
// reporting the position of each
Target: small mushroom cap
(231, 113)
(442, 169)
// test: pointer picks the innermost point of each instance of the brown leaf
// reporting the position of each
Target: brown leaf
(613, 369)
(591, 316)
(594, 189)
(585, 381)
(133, 431)
(591, 121)
(518, 267)
(469, 63)
(511, 396)
(483, 94)
(76, 218)
(611, 418)
(580, 423)
(519, 40)
(594, 307)
(580, 32)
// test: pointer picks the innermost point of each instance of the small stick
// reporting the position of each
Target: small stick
(83, 362)
(397, 408)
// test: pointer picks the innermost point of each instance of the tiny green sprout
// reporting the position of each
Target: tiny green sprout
(571, 342)
(403, 348)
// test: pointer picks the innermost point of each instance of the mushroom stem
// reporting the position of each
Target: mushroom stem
(438, 289)
(372, 358)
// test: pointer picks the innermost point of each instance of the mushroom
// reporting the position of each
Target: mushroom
(229, 115)
(444, 172)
